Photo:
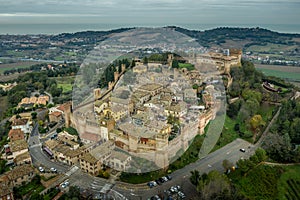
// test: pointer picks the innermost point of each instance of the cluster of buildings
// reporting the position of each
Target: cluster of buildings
(137, 117)
(32, 101)
(90, 157)
(16, 151)
(18, 176)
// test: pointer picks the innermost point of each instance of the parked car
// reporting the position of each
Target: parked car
(165, 178)
(162, 180)
(169, 177)
(52, 169)
(150, 184)
(243, 150)
(41, 169)
(158, 181)
(154, 183)
(181, 195)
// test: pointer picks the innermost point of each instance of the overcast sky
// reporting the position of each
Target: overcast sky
(151, 11)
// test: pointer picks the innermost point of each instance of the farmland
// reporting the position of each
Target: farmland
(17, 65)
(289, 183)
(285, 72)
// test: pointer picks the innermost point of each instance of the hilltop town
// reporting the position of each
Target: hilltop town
(144, 119)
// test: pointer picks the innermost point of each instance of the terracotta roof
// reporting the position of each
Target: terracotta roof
(19, 122)
(73, 153)
(61, 107)
(16, 134)
(33, 100)
(25, 100)
(56, 114)
(90, 136)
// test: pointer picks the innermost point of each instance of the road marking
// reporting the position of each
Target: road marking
(35, 145)
(72, 171)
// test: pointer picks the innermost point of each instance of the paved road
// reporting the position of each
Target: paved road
(39, 158)
(211, 162)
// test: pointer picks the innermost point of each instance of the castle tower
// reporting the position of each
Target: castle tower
(116, 76)
(170, 59)
(107, 124)
(123, 66)
(161, 159)
(67, 113)
(110, 85)
(97, 93)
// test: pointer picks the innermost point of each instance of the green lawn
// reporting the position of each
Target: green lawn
(65, 83)
(228, 134)
(189, 66)
(65, 86)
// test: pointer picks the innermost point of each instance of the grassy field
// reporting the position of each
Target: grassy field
(285, 72)
(186, 65)
(228, 134)
(65, 82)
(17, 65)
(271, 48)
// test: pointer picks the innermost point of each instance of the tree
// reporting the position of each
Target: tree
(195, 177)
(145, 60)
(215, 186)
(175, 64)
(261, 155)
(227, 164)
(33, 115)
(74, 193)
(256, 121)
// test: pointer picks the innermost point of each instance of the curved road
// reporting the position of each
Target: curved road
(39, 158)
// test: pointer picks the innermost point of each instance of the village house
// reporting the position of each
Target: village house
(23, 124)
(17, 147)
(20, 175)
(16, 134)
(92, 161)
(16, 177)
(23, 158)
(55, 116)
(119, 161)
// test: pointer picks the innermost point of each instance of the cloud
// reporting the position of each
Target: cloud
(188, 11)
